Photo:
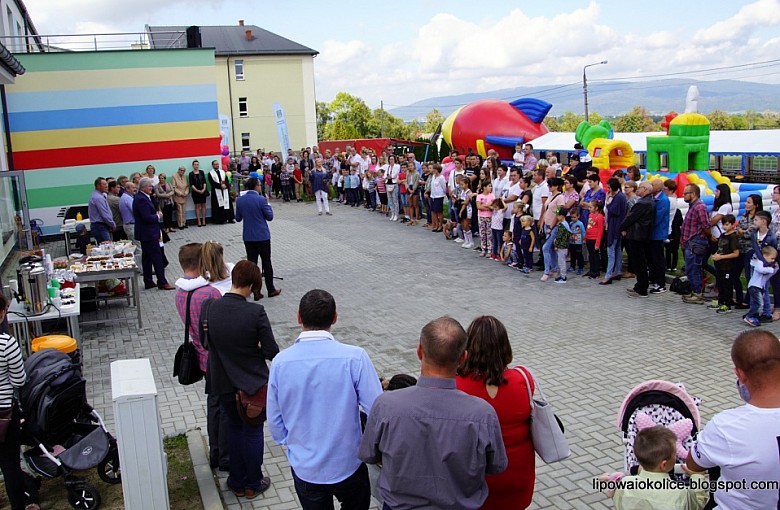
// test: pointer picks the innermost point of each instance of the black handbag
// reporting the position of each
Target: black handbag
(185, 364)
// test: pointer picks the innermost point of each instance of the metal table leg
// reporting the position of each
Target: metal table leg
(136, 300)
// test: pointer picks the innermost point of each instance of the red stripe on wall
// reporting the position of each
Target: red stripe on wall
(119, 153)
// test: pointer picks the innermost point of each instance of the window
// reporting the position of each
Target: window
(239, 69)
(245, 145)
(243, 110)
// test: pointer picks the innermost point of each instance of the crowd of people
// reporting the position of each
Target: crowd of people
(475, 443)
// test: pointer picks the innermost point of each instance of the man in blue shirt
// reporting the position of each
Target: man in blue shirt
(100, 218)
(314, 391)
(255, 209)
(657, 260)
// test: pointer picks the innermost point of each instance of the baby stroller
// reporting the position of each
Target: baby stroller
(658, 403)
(65, 434)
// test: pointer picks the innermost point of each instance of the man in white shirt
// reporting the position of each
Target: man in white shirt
(744, 442)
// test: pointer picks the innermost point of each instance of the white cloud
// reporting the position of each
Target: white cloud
(452, 55)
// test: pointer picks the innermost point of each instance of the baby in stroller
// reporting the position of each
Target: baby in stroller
(658, 421)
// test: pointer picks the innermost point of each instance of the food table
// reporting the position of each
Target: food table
(129, 273)
(68, 228)
(27, 325)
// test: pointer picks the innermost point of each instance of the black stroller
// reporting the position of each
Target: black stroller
(64, 432)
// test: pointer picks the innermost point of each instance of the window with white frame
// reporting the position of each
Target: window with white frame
(245, 145)
(239, 69)
(243, 109)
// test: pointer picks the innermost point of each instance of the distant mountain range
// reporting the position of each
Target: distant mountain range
(617, 98)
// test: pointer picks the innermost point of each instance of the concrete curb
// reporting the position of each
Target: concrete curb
(207, 487)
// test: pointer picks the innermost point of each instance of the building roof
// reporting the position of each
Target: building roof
(9, 62)
(764, 142)
(228, 40)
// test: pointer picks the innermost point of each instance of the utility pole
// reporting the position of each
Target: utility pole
(382, 119)
(585, 86)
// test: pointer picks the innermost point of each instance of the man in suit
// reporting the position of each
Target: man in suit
(147, 231)
(255, 209)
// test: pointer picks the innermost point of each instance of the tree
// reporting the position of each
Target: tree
(351, 111)
(720, 121)
(739, 122)
(552, 124)
(340, 130)
(432, 120)
(323, 118)
(636, 121)
(569, 121)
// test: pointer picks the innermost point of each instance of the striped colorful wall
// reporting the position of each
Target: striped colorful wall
(76, 116)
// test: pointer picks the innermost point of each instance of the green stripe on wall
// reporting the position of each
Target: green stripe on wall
(51, 178)
(56, 197)
(97, 60)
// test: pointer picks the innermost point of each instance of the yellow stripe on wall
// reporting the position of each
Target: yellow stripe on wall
(89, 137)
(118, 78)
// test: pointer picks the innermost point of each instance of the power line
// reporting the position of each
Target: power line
(679, 73)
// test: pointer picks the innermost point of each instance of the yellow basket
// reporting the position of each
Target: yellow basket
(62, 343)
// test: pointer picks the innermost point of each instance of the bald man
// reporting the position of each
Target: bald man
(433, 431)
(745, 442)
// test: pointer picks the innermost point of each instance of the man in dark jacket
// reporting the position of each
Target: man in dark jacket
(638, 228)
(147, 231)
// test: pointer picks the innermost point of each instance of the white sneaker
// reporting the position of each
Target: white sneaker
(459, 240)
(467, 245)
(395, 218)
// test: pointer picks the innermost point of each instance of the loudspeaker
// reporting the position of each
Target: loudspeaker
(193, 37)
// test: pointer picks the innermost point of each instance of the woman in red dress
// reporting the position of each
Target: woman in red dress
(486, 375)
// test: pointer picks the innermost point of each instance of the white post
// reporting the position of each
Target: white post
(139, 435)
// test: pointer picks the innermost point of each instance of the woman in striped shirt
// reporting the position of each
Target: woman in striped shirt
(12, 376)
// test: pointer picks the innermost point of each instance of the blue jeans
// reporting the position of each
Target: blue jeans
(245, 443)
(100, 232)
(354, 493)
(550, 260)
(758, 301)
(614, 258)
(498, 235)
(693, 264)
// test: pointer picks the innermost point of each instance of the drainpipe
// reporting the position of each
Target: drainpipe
(230, 96)
(7, 128)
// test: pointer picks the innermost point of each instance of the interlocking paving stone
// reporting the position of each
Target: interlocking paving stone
(587, 344)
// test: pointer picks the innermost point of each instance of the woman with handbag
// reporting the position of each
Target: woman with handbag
(12, 377)
(486, 374)
(239, 341)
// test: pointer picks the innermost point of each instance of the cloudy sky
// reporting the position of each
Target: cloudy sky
(404, 51)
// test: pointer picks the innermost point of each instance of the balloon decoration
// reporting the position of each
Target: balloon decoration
(225, 150)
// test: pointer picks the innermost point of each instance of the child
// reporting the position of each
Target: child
(761, 237)
(381, 189)
(726, 265)
(449, 229)
(269, 182)
(577, 261)
(485, 216)
(759, 283)
(527, 241)
(497, 226)
(340, 187)
(372, 190)
(508, 251)
(656, 450)
(355, 184)
(593, 234)
(562, 236)
(83, 239)
(464, 211)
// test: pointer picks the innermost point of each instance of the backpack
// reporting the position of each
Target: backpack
(562, 238)
(681, 285)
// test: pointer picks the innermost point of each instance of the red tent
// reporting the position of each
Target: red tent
(376, 144)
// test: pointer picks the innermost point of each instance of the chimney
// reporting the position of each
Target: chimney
(249, 35)
(241, 23)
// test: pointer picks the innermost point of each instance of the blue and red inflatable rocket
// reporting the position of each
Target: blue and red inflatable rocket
(493, 124)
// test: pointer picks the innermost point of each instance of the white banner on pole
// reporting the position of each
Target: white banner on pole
(281, 129)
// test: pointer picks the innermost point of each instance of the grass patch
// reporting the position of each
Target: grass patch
(182, 485)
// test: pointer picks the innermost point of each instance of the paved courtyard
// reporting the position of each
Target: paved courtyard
(587, 344)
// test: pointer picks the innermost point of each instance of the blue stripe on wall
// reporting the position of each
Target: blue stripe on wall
(114, 116)
(109, 98)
